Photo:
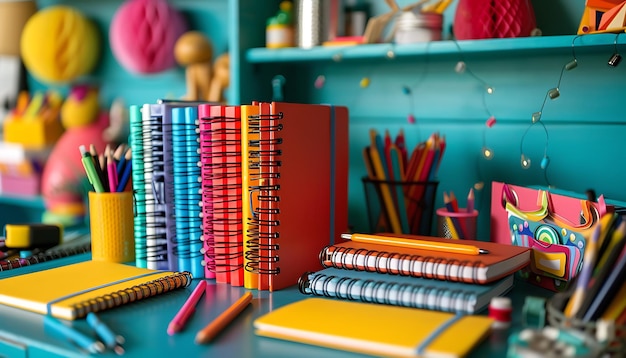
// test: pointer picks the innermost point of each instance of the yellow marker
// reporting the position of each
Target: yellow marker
(32, 236)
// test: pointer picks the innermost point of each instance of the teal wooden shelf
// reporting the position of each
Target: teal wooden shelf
(527, 45)
(22, 201)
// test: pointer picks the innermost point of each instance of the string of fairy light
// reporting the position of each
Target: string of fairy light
(462, 67)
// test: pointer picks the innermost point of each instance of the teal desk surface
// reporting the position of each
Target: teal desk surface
(143, 324)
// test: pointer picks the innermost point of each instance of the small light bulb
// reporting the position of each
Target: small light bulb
(411, 119)
(365, 81)
(545, 162)
(571, 65)
(391, 54)
(536, 117)
(615, 60)
(337, 57)
(319, 81)
(406, 90)
(490, 90)
(491, 121)
(554, 93)
(487, 153)
(525, 162)
(479, 185)
(460, 67)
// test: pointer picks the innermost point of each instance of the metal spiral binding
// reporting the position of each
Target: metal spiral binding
(131, 294)
(156, 219)
(349, 258)
(388, 293)
(185, 183)
(15, 263)
(264, 165)
(138, 180)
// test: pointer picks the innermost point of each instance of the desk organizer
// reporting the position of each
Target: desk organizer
(111, 223)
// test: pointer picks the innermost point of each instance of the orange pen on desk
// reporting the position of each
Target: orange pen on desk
(217, 325)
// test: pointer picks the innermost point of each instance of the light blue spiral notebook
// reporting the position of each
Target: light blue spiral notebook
(404, 291)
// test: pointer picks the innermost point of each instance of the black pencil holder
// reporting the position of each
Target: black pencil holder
(405, 207)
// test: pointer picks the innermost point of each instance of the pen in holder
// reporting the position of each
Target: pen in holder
(456, 224)
(111, 223)
(403, 207)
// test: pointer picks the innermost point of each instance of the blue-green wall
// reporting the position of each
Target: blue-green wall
(585, 124)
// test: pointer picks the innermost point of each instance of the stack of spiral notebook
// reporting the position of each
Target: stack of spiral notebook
(415, 277)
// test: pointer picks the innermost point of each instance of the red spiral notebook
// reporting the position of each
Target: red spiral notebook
(298, 181)
(220, 134)
(502, 260)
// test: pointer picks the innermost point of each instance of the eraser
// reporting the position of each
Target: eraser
(32, 236)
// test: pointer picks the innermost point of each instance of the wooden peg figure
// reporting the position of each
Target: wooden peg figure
(221, 78)
(194, 51)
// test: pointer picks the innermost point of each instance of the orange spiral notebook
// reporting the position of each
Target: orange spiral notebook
(70, 292)
(375, 329)
(502, 260)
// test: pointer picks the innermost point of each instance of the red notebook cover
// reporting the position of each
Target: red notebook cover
(303, 197)
(225, 136)
(502, 260)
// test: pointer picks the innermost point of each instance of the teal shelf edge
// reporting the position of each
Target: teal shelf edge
(23, 201)
(538, 45)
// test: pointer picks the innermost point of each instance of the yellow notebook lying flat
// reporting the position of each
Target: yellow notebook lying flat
(71, 291)
(375, 329)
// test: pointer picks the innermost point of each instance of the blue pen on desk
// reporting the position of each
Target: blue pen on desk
(111, 340)
(83, 341)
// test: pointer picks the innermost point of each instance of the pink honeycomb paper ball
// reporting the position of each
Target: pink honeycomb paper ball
(143, 34)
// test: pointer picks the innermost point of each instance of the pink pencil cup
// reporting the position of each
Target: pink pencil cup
(457, 225)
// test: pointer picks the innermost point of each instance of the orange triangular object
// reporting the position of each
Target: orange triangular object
(613, 18)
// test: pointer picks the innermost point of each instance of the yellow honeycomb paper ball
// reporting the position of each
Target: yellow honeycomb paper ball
(59, 44)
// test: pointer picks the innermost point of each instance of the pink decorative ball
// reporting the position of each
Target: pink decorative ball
(143, 34)
(493, 19)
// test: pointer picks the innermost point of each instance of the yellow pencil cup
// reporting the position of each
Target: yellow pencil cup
(111, 223)
(457, 225)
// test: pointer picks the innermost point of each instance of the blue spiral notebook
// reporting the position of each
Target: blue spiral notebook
(416, 292)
